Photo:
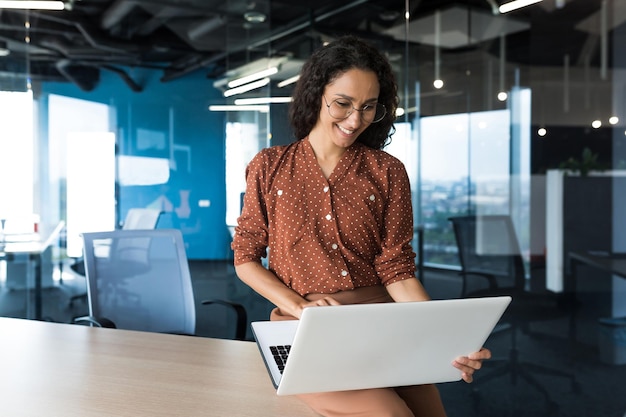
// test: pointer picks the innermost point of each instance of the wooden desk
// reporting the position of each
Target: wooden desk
(65, 370)
(33, 246)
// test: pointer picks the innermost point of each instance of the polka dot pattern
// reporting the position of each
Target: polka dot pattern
(351, 230)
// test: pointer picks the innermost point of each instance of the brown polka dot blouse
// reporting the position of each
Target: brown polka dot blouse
(324, 236)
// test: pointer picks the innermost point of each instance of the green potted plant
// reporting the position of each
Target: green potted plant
(588, 162)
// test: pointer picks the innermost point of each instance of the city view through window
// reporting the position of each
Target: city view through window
(465, 168)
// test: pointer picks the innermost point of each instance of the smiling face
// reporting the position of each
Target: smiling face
(354, 88)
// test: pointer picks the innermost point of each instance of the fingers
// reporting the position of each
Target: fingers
(326, 301)
(469, 378)
(467, 368)
(471, 363)
(482, 354)
(331, 301)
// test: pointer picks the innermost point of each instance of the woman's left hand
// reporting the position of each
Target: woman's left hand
(471, 363)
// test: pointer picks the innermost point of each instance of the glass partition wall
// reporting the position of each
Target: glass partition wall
(463, 130)
(246, 88)
(466, 142)
(490, 102)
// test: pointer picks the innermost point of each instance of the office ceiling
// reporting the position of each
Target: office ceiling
(180, 37)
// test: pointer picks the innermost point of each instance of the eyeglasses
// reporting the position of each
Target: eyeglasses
(342, 108)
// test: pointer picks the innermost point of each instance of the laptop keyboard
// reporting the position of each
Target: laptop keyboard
(280, 355)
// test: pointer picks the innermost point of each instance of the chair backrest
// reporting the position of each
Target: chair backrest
(141, 218)
(141, 281)
(488, 245)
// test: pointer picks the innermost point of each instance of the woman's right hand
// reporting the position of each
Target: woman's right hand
(324, 301)
(264, 282)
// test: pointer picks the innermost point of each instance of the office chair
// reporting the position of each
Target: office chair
(136, 218)
(488, 248)
(141, 218)
(140, 280)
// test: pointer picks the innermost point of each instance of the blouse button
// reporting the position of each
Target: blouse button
(334, 246)
(372, 197)
(328, 217)
(280, 192)
(326, 189)
(344, 273)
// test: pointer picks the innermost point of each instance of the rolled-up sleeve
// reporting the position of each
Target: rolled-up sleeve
(396, 260)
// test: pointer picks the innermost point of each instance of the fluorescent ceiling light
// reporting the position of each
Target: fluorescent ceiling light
(516, 4)
(262, 100)
(257, 69)
(288, 81)
(259, 108)
(32, 5)
(247, 87)
(253, 77)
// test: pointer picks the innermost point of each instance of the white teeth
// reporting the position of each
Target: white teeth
(346, 131)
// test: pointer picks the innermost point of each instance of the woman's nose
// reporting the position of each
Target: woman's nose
(354, 119)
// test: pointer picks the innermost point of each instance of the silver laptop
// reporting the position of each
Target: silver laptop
(337, 348)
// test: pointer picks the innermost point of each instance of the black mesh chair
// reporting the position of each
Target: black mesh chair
(489, 251)
(140, 280)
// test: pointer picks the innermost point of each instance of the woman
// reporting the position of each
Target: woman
(335, 211)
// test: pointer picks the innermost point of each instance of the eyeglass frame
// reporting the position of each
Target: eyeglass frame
(355, 109)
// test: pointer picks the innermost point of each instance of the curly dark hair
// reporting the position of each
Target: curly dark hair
(328, 63)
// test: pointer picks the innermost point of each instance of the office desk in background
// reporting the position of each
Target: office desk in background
(33, 246)
(601, 298)
(65, 370)
(615, 263)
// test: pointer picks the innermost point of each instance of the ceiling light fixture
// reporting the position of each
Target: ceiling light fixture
(32, 5)
(516, 4)
(438, 83)
(259, 108)
(254, 17)
(604, 40)
(262, 100)
(502, 95)
(288, 81)
(252, 77)
(247, 87)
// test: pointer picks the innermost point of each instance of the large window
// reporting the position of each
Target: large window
(16, 157)
(243, 141)
(82, 163)
(465, 168)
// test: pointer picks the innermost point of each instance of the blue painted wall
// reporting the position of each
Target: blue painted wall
(177, 109)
